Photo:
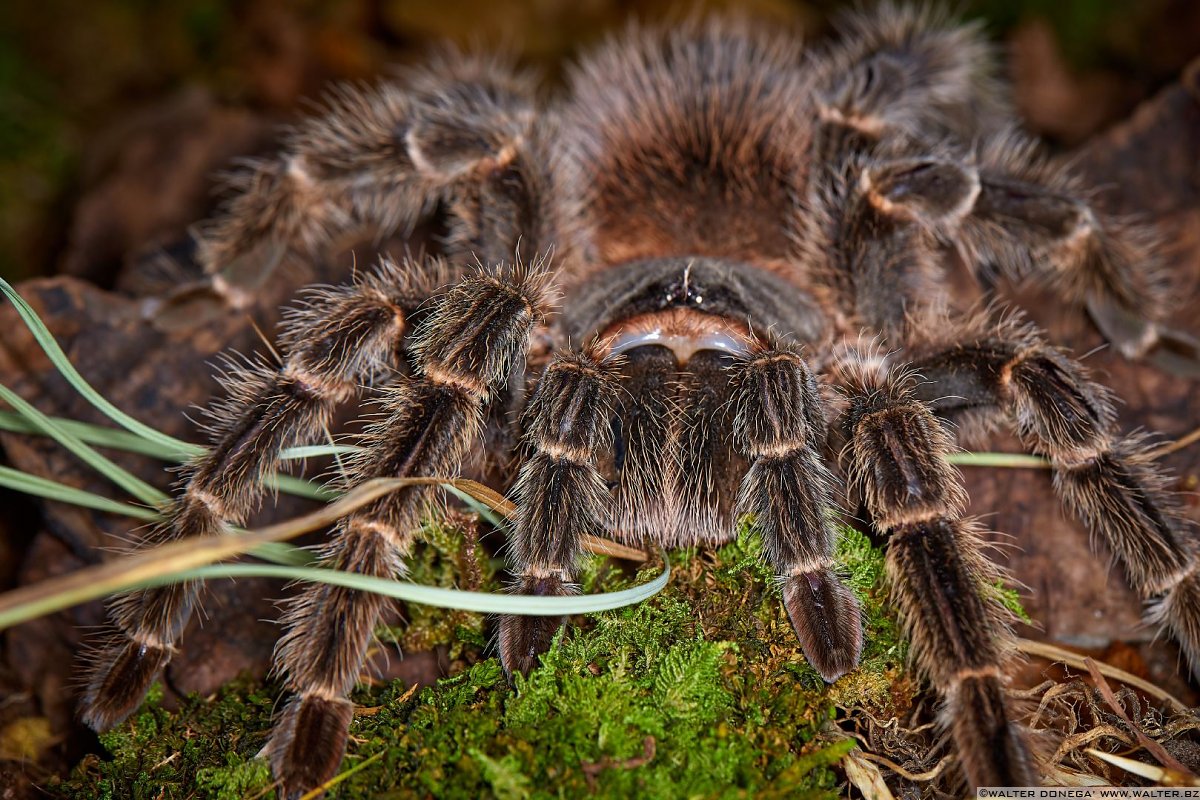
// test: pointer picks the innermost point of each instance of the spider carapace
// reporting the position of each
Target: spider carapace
(750, 245)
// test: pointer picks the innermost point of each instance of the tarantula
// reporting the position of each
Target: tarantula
(730, 216)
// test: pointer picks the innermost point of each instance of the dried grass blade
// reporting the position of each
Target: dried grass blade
(498, 509)
(1052, 653)
(170, 562)
(91, 583)
(1179, 444)
(1152, 772)
(1154, 748)
(866, 777)
(607, 547)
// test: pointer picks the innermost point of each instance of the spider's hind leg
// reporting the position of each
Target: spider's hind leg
(909, 79)
(940, 578)
(1033, 219)
(906, 71)
(379, 158)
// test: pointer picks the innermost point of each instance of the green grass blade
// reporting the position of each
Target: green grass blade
(291, 562)
(101, 436)
(301, 488)
(168, 562)
(52, 490)
(57, 357)
(288, 555)
(168, 444)
(275, 552)
(480, 602)
(315, 450)
(1008, 460)
(341, 776)
(126, 480)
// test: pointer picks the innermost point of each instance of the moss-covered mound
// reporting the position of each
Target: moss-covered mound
(699, 692)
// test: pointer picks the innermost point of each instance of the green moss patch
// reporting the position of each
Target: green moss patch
(699, 692)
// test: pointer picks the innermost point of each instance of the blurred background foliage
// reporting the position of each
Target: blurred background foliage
(74, 77)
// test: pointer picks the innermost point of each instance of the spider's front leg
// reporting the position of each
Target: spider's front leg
(780, 429)
(984, 371)
(941, 581)
(560, 494)
(464, 353)
(330, 344)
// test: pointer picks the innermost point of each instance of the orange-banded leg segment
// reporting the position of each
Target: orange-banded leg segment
(878, 245)
(780, 429)
(329, 343)
(464, 352)
(995, 371)
(907, 72)
(940, 580)
(379, 159)
(1032, 218)
(560, 494)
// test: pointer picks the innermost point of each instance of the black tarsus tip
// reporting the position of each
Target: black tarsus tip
(524, 639)
(119, 684)
(308, 743)
(827, 621)
(991, 746)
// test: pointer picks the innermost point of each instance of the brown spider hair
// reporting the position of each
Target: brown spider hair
(729, 214)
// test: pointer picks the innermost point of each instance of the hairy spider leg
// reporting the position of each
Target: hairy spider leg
(982, 372)
(780, 428)
(944, 586)
(331, 341)
(380, 158)
(560, 494)
(464, 353)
